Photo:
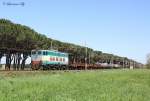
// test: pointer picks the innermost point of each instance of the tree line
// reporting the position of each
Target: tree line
(17, 41)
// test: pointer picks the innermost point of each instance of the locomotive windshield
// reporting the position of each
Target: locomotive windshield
(33, 52)
(39, 52)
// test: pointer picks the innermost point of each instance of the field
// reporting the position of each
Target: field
(100, 85)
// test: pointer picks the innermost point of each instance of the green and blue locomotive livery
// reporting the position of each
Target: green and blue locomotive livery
(49, 59)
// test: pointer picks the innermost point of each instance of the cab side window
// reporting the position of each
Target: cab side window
(45, 53)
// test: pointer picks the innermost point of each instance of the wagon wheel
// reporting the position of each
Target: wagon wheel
(35, 67)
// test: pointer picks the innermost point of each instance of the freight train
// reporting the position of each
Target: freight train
(55, 60)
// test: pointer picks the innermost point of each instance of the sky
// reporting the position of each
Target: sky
(120, 27)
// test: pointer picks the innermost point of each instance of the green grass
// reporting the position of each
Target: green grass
(101, 85)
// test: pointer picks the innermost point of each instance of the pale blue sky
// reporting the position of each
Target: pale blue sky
(121, 27)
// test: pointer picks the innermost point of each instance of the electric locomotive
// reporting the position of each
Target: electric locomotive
(49, 59)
